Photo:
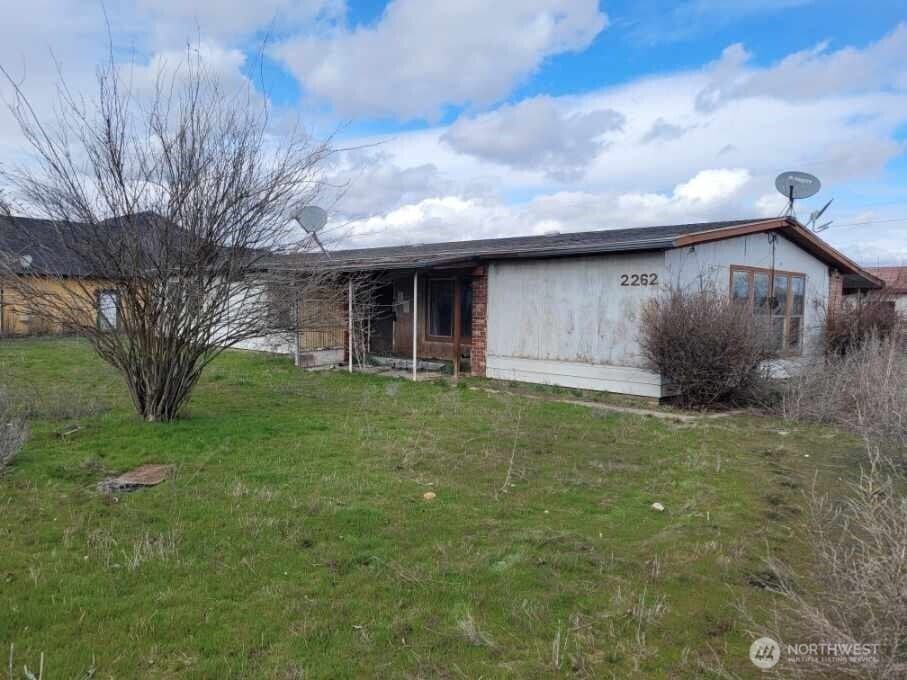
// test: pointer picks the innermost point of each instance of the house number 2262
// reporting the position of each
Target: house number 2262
(639, 279)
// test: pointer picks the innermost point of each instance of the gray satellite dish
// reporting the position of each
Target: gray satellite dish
(312, 218)
(795, 185)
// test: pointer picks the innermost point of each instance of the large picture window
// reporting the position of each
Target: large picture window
(778, 299)
(441, 308)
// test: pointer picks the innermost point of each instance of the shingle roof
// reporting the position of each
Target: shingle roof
(579, 243)
(41, 246)
(53, 248)
(895, 278)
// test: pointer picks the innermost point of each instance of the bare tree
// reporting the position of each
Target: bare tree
(162, 207)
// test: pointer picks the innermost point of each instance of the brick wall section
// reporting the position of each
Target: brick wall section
(479, 321)
(835, 291)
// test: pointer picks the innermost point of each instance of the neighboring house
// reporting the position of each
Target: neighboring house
(52, 267)
(895, 279)
(565, 309)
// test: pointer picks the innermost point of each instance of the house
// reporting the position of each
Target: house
(895, 279)
(565, 309)
(35, 249)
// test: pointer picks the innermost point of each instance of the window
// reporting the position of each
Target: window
(777, 299)
(441, 308)
(108, 303)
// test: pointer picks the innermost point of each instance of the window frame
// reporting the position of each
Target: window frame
(428, 306)
(464, 283)
(102, 323)
(785, 349)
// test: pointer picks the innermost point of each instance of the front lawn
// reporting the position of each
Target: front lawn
(294, 540)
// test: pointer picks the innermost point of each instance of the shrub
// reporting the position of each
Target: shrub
(708, 346)
(864, 391)
(13, 431)
(859, 319)
(859, 594)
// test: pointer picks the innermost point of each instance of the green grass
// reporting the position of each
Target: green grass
(294, 538)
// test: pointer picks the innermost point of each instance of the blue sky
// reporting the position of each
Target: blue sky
(472, 119)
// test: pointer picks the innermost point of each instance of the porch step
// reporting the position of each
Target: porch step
(406, 364)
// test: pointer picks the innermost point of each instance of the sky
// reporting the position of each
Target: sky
(474, 119)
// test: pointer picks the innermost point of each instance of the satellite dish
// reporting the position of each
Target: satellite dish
(795, 185)
(312, 218)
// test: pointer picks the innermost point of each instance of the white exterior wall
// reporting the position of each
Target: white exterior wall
(687, 267)
(569, 322)
(248, 301)
(900, 304)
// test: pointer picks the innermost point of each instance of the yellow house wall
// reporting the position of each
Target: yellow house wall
(15, 318)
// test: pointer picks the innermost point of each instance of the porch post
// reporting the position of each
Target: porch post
(415, 322)
(350, 326)
(458, 325)
(296, 330)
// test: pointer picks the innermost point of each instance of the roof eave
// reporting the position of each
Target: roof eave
(791, 228)
(490, 256)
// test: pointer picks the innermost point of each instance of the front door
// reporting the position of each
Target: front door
(403, 310)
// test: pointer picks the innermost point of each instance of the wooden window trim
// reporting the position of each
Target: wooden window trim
(788, 303)
(427, 321)
(464, 281)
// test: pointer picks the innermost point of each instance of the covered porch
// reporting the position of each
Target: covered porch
(419, 321)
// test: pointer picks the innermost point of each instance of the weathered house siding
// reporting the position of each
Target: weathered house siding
(569, 322)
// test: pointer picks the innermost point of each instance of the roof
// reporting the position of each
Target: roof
(70, 249)
(40, 246)
(895, 278)
(574, 244)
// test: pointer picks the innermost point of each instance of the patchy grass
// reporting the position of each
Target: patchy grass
(294, 539)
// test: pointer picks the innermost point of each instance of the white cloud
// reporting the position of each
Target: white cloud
(811, 74)
(710, 194)
(425, 54)
(537, 133)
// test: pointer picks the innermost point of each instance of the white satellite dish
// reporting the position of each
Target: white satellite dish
(312, 218)
(795, 185)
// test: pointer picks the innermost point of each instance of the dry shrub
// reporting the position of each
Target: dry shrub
(13, 430)
(859, 594)
(708, 346)
(864, 391)
(860, 319)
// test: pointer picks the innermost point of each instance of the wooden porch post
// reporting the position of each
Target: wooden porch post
(458, 323)
(415, 322)
(297, 302)
(350, 326)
